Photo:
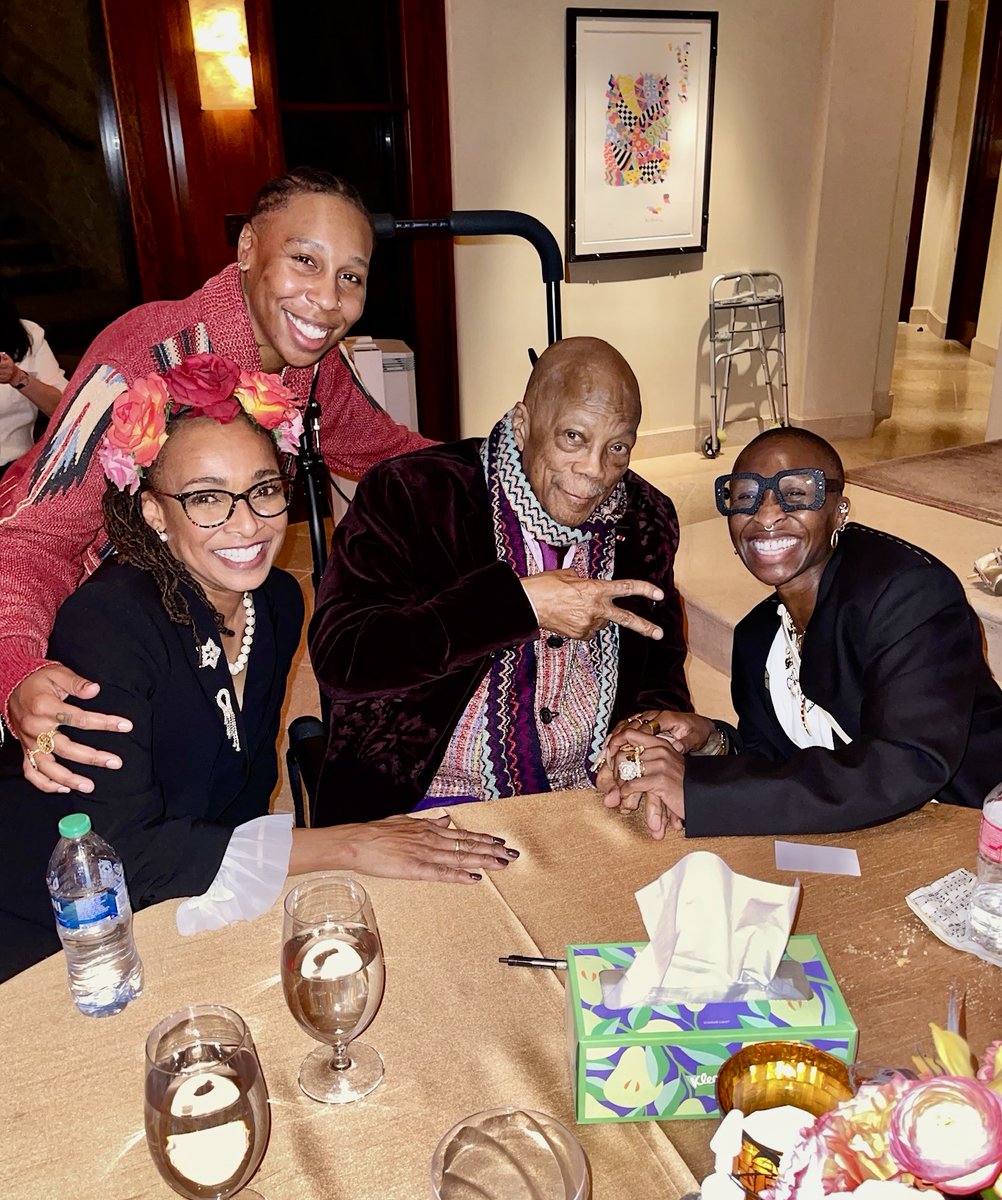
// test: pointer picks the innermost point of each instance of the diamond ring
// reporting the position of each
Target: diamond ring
(632, 766)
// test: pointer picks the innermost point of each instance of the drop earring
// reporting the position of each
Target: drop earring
(163, 535)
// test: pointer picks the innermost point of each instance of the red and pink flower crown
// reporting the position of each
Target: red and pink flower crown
(203, 385)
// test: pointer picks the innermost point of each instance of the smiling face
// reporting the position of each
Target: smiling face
(305, 268)
(787, 550)
(577, 427)
(200, 455)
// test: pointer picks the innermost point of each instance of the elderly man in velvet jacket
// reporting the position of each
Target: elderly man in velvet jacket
(492, 608)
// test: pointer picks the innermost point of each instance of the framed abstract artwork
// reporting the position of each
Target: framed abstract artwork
(639, 123)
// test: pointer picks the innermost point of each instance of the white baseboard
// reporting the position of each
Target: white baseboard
(656, 443)
(982, 352)
(926, 317)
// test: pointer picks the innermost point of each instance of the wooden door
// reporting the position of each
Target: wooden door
(373, 108)
(981, 188)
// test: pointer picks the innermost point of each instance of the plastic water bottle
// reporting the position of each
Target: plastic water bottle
(93, 919)
(986, 900)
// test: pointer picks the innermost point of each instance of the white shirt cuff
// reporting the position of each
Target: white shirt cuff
(249, 880)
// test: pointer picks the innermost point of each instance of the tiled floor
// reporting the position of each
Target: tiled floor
(940, 400)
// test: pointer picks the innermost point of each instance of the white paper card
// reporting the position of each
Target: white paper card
(822, 860)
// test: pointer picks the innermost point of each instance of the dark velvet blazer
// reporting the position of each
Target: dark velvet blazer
(182, 788)
(894, 652)
(413, 605)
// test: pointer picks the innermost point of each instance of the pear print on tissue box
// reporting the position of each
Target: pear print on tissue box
(654, 1062)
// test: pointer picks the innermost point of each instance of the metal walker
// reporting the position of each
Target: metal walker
(750, 320)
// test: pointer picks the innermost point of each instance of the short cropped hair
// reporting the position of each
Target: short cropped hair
(306, 181)
(827, 453)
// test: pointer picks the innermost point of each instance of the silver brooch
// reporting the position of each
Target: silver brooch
(229, 717)
(209, 654)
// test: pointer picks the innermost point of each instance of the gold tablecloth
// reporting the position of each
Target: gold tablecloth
(457, 1030)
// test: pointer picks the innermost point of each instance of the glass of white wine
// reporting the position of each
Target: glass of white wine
(332, 974)
(207, 1118)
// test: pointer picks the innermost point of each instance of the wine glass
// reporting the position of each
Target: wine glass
(332, 973)
(207, 1118)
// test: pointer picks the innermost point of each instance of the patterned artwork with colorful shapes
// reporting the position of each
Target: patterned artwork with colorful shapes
(637, 129)
(659, 1061)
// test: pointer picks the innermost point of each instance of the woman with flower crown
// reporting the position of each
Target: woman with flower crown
(190, 630)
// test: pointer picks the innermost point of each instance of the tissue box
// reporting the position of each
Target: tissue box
(652, 1063)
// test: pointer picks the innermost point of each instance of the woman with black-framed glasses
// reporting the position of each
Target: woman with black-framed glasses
(860, 685)
(190, 630)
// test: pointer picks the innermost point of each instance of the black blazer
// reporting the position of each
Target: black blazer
(894, 652)
(414, 603)
(182, 788)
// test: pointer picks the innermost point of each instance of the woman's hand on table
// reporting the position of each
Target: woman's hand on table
(41, 704)
(659, 788)
(400, 847)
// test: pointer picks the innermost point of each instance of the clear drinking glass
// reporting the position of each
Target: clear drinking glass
(509, 1154)
(207, 1118)
(332, 974)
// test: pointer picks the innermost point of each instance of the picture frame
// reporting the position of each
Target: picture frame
(639, 131)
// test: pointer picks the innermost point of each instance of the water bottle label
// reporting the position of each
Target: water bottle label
(990, 841)
(113, 901)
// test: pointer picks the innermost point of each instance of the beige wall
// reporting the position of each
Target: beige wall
(815, 130)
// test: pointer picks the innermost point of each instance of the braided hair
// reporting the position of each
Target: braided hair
(306, 181)
(137, 543)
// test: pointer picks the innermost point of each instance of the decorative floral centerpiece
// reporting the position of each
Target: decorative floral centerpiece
(203, 385)
(939, 1134)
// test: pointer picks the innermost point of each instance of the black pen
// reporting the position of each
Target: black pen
(525, 960)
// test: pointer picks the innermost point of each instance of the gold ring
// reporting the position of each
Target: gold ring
(632, 766)
(45, 743)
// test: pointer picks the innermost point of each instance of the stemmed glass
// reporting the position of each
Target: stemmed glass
(332, 973)
(207, 1118)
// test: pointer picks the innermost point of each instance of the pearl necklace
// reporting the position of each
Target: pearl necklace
(248, 639)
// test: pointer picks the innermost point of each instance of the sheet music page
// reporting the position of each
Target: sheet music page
(943, 907)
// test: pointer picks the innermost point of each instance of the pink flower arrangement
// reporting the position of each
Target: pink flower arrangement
(941, 1134)
(203, 385)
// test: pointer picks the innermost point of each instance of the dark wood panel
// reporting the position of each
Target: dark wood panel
(430, 157)
(186, 169)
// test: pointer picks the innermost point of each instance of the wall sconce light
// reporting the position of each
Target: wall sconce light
(222, 56)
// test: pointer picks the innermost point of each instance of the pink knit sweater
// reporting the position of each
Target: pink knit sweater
(51, 527)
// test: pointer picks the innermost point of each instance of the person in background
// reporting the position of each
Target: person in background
(191, 631)
(31, 381)
(468, 629)
(297, 288)
(860, 685)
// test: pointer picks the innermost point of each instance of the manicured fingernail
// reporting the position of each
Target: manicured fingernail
(511, 853)
(63, 790)
(497, 841)
(658, 594)
(124, 726)
(476, 878)
(85, 785)
(502, 862)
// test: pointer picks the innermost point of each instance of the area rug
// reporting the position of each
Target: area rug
(965, 480)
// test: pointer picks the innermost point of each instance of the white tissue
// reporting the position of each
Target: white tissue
(714, 935)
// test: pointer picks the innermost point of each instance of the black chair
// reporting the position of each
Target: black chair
(308, 735)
